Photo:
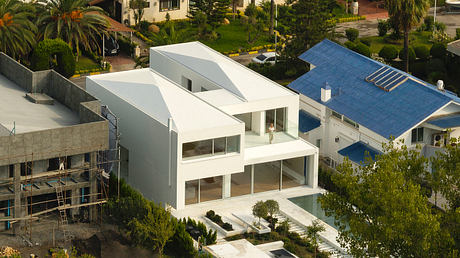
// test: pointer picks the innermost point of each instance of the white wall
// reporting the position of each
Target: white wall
(147, 142)
(153, 13)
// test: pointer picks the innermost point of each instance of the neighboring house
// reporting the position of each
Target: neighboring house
(351, 104)
(51, 137)
(195, 124)
(156, 10)
(454, 47)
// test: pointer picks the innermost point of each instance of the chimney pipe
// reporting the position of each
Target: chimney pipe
(326, 93)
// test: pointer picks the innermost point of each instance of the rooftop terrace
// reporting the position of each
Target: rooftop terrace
(17, 111)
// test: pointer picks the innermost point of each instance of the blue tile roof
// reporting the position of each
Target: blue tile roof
(358, 151)
(446, 121)
(307, 122)
(386, 113)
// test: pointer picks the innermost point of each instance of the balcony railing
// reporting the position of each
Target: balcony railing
(253, 139)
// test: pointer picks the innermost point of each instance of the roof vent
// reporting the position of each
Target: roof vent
(440, 85)
(326, 93)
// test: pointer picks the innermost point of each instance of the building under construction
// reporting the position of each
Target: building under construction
(54, 148)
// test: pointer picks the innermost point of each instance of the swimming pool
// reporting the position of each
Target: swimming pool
(310, 203)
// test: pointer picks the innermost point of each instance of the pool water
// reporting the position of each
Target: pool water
(310, 203)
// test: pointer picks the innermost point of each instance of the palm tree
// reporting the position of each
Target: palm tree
(72, 21)
(169, 35)
(407, 13)
(17, 32)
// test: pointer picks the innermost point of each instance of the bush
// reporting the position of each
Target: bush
(440, 26)
(49, 47)
(227, 226)
(435, 65)
(388, 52)
(422, 52)
(350, 45)
(457, 33)
(352, 34)
(428, 23)
(418, 69)
(363, 49)
(438, 50)
(383, 27)
(366, 41)
(411, 54)
(218, 220)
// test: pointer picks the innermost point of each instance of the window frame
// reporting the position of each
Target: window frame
(418, 135)
(213, 152)
(170, 5)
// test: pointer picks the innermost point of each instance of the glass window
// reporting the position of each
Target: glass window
(280, 121)
(233, 144)
(247, 119)
(219, 146)
(191, 192)
(417, 135)
(269, 118)
(267, 176)
(169, 5)
(350, 122)
(211, 188)
(337, 115)
(241, 182)
(293, 172)
(197, 149)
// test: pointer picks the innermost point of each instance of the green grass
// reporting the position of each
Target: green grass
(233, 37)
(84, 63)
(416, 38)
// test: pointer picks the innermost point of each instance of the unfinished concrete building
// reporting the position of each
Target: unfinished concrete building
(52, 145)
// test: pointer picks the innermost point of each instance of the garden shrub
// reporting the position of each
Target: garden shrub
(181, 244)
(457, 33)
(435, 65)
(363, 49)
(227, 226)
(352, 34)
(438, 50)
(411, 51)
(45, 49)
(366, 41)
(210, 236)
(428, 23)
(382, 27)
(291, 72)
(418, 68)
(350, 45)
(422, 52)
(440, 26)
(126, 46)
(435, 76)
(388, 52)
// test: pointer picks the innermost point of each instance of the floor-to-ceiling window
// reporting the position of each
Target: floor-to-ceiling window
(277, 117)
(191, 192)
(293, 172)
(241, 182)
(210, 188)
(267, 176)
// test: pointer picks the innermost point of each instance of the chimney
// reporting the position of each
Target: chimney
(440, 85)
(326, 93)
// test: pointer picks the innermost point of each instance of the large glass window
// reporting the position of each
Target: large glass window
(208, 148)
(267, 176)
(247, 119)
(166, 5)
(277, 117)
(241, 182)
(191, 192)
(197, 149)
(211, 188)
(293, 172)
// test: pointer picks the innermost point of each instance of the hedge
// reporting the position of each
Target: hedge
(411, 51)
(388, 52)
(352, 34)
(363, 49)
(422, 52)
(41, 54)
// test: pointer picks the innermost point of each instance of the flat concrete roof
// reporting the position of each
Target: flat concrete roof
(236, 248)
(28, 116)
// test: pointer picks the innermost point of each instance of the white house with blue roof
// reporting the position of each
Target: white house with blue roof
(350, 104)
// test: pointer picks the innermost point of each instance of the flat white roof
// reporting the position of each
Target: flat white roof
(223, 71)
(219, 98)
(160, 98)
(237, 248)
(28, 116)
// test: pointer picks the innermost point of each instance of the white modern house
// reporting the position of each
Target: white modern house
(351, 104)
(194, 128)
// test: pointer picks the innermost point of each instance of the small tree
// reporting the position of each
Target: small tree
(260, 210)
(388, 52)
(352, 34)
(383, 27)
(312, 232)
(138, 8)
(272, 208)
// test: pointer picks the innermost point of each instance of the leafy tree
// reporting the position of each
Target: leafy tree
(312, 233)
(310, 24)
(272, 208)
(272, 16)
(212, 12)
(17, 32)
(138, 7)
(260, 210)
(48, 48)
(407, 14)
(72, 21)
(169, 35)
(386, 211)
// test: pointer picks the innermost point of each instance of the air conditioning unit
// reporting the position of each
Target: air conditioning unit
(439, 139)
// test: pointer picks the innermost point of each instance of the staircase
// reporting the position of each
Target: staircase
(322, 246)
(62, 211)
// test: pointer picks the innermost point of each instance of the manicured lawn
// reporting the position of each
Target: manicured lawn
(84, 63)
(233, 37)
(416, 38)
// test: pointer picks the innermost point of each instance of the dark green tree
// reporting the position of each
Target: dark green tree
(387, 213)
(212, 12)
(260, 210)
(312, 233)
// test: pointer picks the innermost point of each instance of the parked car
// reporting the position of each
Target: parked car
(111, 46)
(268, 57)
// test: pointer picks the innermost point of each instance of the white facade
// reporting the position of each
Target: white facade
(156, 10)
(189, 107)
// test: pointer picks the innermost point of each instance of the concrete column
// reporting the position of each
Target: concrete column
(17, 198)
(226, 186)
(93, 185)
(258, 122)
(252, 179)
(312, 172)
(75, 199)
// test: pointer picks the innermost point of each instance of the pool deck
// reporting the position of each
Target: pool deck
(243, 204)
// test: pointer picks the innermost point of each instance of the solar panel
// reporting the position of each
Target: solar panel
(387, 78)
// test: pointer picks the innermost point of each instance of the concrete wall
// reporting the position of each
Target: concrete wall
(16, 72)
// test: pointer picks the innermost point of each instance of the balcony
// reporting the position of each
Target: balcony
(254, 139)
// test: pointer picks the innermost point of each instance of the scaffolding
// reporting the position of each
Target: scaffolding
(92, 174)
